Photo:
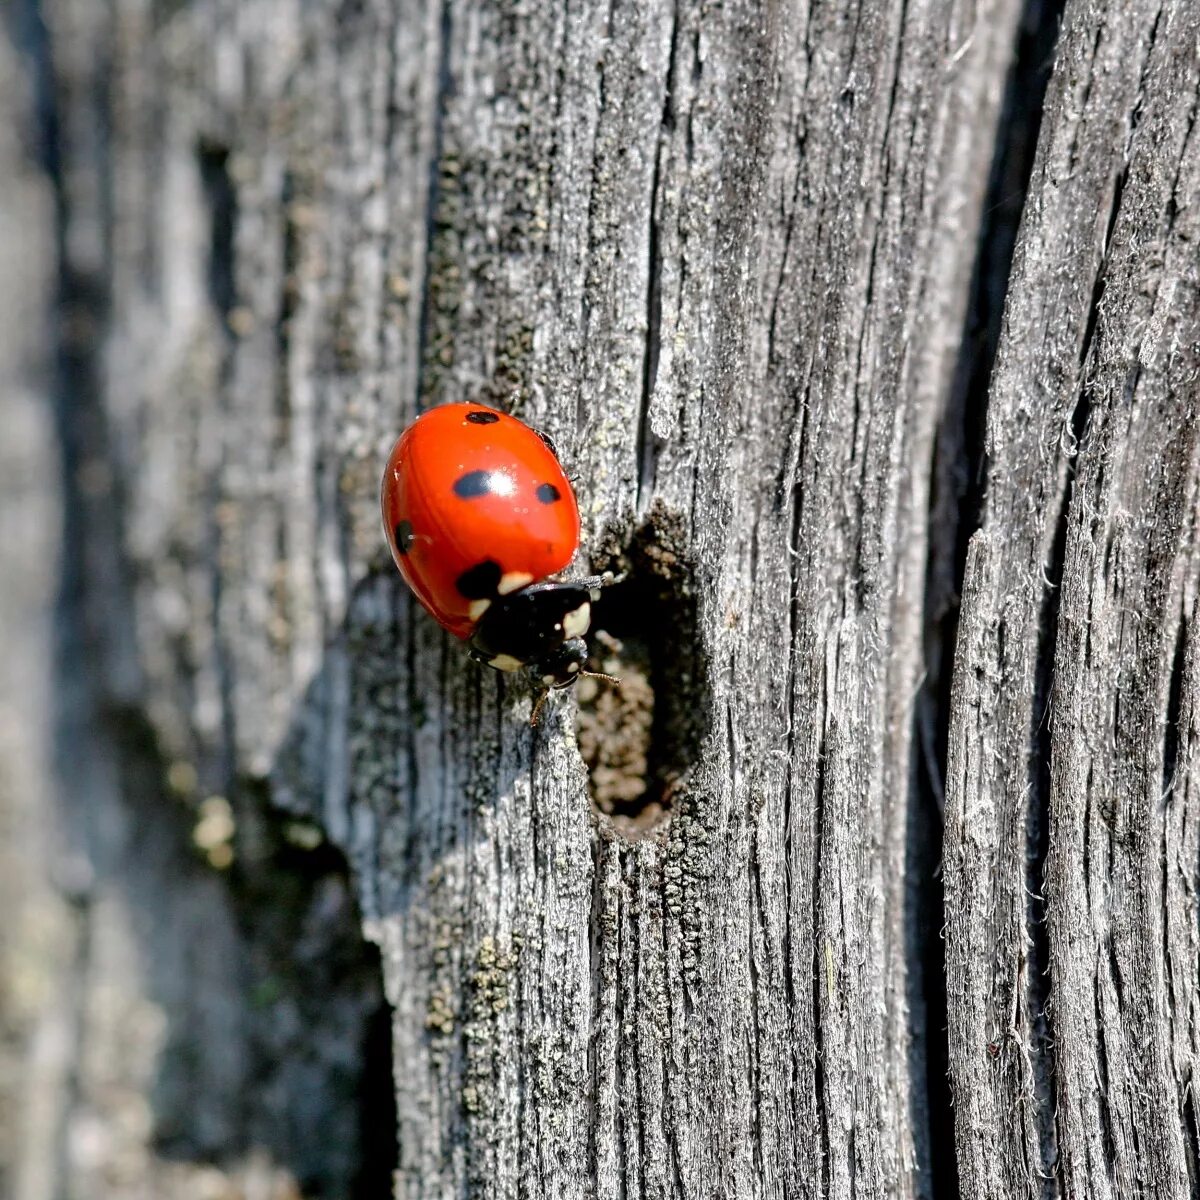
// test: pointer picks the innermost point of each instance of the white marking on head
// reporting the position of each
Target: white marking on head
(594, 593)
(575, 623)
(477, 608)
(505, 662)
(549, 680)
(572, 667)
(513, 581)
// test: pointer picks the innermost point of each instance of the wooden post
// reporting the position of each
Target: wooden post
(327, 917)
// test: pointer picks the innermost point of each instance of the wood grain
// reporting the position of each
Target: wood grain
(734, 260)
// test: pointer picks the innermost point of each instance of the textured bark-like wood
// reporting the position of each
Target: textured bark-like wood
(194, 1032)
(1071, 992)
(31, 937)
(722, 255)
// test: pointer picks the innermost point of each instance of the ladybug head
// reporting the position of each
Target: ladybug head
(562, 666)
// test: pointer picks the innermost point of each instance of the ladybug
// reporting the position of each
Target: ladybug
(479, 517)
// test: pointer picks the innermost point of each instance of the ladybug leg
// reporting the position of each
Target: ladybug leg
(548, 442)
(539, 704)
(596, 583)
(537, 708)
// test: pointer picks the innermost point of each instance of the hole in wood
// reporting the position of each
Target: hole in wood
(640, 739)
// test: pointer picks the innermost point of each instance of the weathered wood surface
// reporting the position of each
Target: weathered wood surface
(1070, 857)
(28, 520)
(729, 258)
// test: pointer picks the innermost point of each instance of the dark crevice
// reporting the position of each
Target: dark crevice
(960, 479)
(1102, 1092)
(818, 967)
(288, 302)
(647, 450)
(929, 1056)
(957, 496)
(620, 1121)
(785, 254)
(81, 302)
(1101, 269)
(894, 89)
(1037, 995)
(221, 196)
(1174, 707)
(1191, 1139)
(1114, 970)
(1081, 416)
(790, 973)
(24, 24)
(597, 932)
(378, 1118)
(1173, 204)
(1135, 115)
(444, 89)
(1037, 841)
(759, 904)
(591, 236)
(640, 738)
(638, 1100)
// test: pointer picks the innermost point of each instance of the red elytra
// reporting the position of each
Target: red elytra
(466, 486)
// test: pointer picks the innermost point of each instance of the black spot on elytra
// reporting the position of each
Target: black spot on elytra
(547, 493)
(480, 581)
(404, 536)
(549, 442)
(481, 417)
(473, 484)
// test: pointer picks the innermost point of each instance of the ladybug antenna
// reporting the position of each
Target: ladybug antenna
(539, 704)
(601, 675)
